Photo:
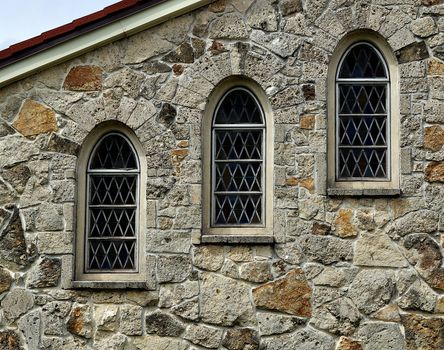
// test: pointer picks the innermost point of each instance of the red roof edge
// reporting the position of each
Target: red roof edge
(108, 14)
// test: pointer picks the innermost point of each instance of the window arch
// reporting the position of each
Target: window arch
(110, 208)
(237, 158)
(363, 117)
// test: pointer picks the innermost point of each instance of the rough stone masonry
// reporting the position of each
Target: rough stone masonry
(344, 272)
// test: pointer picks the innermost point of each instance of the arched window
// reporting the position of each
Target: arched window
(237, 159)
(111, 209)
(112, 206)
(363, 118)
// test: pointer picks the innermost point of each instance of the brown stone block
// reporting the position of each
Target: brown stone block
(9, 340)
(34, 119)
(434, 172)
(348, 344)
(218, 6)
(432, 2)
(414, 52)
(423, 333)
(320, 229)
(309, 92)
(307, 121)
(434, 138)
(84, 78)
(5, 280)
(290, 294)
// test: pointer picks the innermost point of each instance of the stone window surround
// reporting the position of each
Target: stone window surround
(107, 280)
(236, 234)
(364, 188)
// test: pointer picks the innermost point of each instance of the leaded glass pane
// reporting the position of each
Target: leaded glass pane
(113, 189)
(236, 177)
(239, 107)
(113, 152)
(238, 209)
(111, 254)
(112, 206)
(362, 162)
(238, 144)
(362, 115)
(112, 222)
(363, 131)
(238, 160)
(362, 61)
(362, 98)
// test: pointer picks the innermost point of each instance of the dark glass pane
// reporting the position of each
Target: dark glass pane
(238, 144)
(112, 190)
(238, 176)
(238, 209)
(238, 107)
(113, 152)
(111, 254)
(362, 99)
(112, 222)
(362, 163)
(363, 131)
(362, 61)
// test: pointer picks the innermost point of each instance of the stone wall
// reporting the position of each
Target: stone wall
(344, 273)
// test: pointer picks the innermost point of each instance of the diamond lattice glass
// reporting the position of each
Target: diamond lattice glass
(238, 107)
(362, 61)
(238, 160)
(362, 115)
(112, 206)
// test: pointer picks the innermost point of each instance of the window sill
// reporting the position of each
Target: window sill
(374, 192)
(109, 285)
(235, 239)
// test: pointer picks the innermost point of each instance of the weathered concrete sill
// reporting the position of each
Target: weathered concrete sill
(107, 285)
(234, 239)
(383, 192)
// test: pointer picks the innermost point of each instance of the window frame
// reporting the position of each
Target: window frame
(390, 185)
(241, 233)
(82, 278)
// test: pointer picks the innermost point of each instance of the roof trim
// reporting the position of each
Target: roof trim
(113, 31)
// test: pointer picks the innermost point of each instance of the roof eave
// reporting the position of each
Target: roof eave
(80, 44)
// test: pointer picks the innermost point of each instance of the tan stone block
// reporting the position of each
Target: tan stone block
(440, 305)
(84, 78)
(307, 121)
(434, 137)
(434, 172)
(389, 313)
(343, 222)
(435, 67)
(183, 144)
(35, 118)
(290, 294)
(240, 253)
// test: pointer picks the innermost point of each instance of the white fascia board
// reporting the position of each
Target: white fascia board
(116, 30)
